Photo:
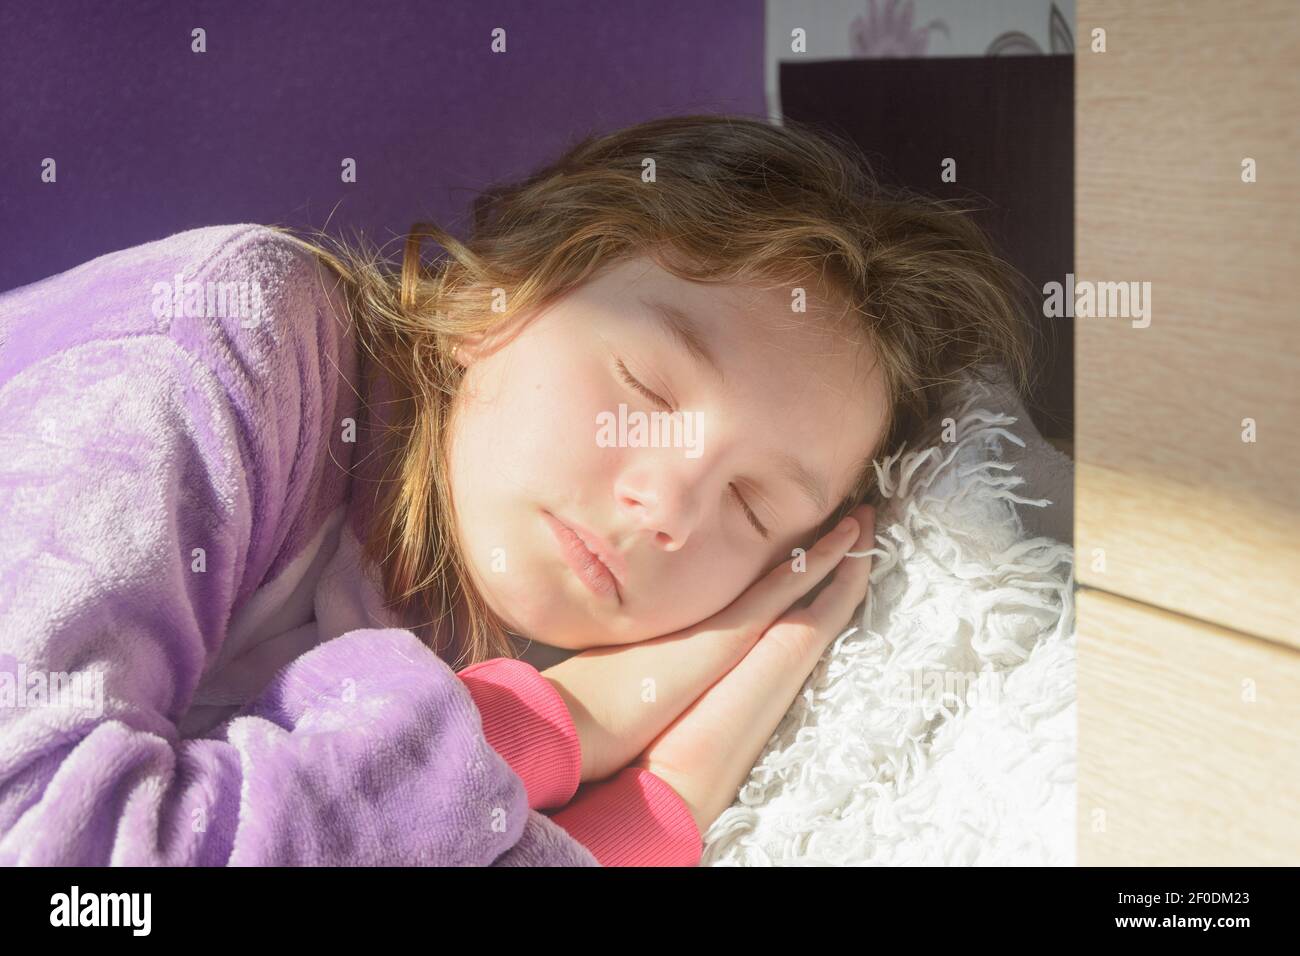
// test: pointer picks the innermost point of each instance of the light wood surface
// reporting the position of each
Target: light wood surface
(1189, 741)
(1174, 509)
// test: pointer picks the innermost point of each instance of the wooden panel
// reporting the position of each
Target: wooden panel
(1173, 507)
(1189, 741)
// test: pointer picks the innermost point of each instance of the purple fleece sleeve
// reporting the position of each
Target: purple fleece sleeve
(151, 473)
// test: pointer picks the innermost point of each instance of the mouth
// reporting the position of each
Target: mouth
(585, 556)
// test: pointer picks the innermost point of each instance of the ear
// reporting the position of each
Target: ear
(467, 348)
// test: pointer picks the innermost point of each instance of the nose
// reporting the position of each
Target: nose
(660, 500)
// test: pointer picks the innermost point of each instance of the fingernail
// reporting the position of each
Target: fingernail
(846, 526)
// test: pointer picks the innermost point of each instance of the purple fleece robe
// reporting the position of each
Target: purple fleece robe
(157, 467)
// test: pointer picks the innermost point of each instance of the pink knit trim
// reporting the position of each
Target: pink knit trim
(633, 819)
(526, 721)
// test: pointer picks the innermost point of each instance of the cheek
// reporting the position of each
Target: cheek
(713, 578)
(567, 408)
(534, 420)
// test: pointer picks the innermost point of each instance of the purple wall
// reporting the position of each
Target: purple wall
(151, 138)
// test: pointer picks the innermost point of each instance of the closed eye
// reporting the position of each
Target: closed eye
(753, 519)
(641, 389)
(627, 377)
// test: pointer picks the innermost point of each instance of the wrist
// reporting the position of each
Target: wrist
(581, 724)
(527, 722)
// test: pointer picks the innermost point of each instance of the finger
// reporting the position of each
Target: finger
(772, 595)
(863, 514)
(833, 608)
(727, 728)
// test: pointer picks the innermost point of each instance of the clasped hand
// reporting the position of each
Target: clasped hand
(721, 686)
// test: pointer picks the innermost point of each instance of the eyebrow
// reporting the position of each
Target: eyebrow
(687, 334)
(810, 483)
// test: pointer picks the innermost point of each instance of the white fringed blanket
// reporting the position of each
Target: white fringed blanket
(939, 729)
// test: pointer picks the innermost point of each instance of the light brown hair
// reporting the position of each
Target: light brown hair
(732, 200)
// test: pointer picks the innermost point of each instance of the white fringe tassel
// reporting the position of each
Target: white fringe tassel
(979, 767)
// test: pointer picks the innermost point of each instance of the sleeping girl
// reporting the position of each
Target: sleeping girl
(367, 576)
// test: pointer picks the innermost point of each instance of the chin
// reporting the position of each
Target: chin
(564, 643)
(567, 643)
(544, 628)
(572, 639)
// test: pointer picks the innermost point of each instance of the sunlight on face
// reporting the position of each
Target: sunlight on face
(688, 528)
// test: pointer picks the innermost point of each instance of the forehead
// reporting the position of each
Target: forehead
(759, 307)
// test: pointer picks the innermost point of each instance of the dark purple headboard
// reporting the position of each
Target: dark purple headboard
(151, 138)
(1009, 124)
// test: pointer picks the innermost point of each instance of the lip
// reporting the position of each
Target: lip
(589, 556)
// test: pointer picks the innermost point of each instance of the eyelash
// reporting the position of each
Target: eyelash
(627, 377)
(641, 389)
(753, 519)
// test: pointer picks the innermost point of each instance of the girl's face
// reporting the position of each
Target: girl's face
(538, 442)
